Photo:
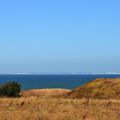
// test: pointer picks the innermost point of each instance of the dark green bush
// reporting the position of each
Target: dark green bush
(10, 89)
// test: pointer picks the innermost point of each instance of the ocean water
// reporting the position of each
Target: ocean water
(52, 81)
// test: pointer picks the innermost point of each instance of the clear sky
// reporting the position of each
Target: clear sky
(59, 36)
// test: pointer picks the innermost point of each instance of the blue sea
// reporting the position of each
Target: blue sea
(69, 81)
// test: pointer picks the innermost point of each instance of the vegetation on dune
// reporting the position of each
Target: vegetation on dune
(102, 88)
(10, 89)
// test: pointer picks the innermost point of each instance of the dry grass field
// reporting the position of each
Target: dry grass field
(38, 108)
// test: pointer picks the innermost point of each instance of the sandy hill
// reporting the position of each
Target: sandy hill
(44, 92)
(102, 88)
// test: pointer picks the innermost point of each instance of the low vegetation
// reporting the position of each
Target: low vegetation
(10, 89)
(38, 108)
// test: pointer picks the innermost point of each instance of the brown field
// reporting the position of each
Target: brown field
(46, 108)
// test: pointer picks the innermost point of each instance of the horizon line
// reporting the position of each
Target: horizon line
(62, 73)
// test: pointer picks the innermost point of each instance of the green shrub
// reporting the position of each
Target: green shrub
(10, 89)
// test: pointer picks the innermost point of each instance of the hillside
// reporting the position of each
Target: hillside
(102, 88)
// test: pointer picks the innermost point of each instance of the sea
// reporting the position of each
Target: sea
(42, 81)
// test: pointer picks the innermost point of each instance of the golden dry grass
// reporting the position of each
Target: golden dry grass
(102, 88)
(38, 108)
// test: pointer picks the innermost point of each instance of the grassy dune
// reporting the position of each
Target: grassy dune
(96, 100)
(101, 88)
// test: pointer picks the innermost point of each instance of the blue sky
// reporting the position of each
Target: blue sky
(59, 36)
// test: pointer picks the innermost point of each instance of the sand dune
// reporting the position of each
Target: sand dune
(44, 92)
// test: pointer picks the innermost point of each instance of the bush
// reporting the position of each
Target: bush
(10, 89)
